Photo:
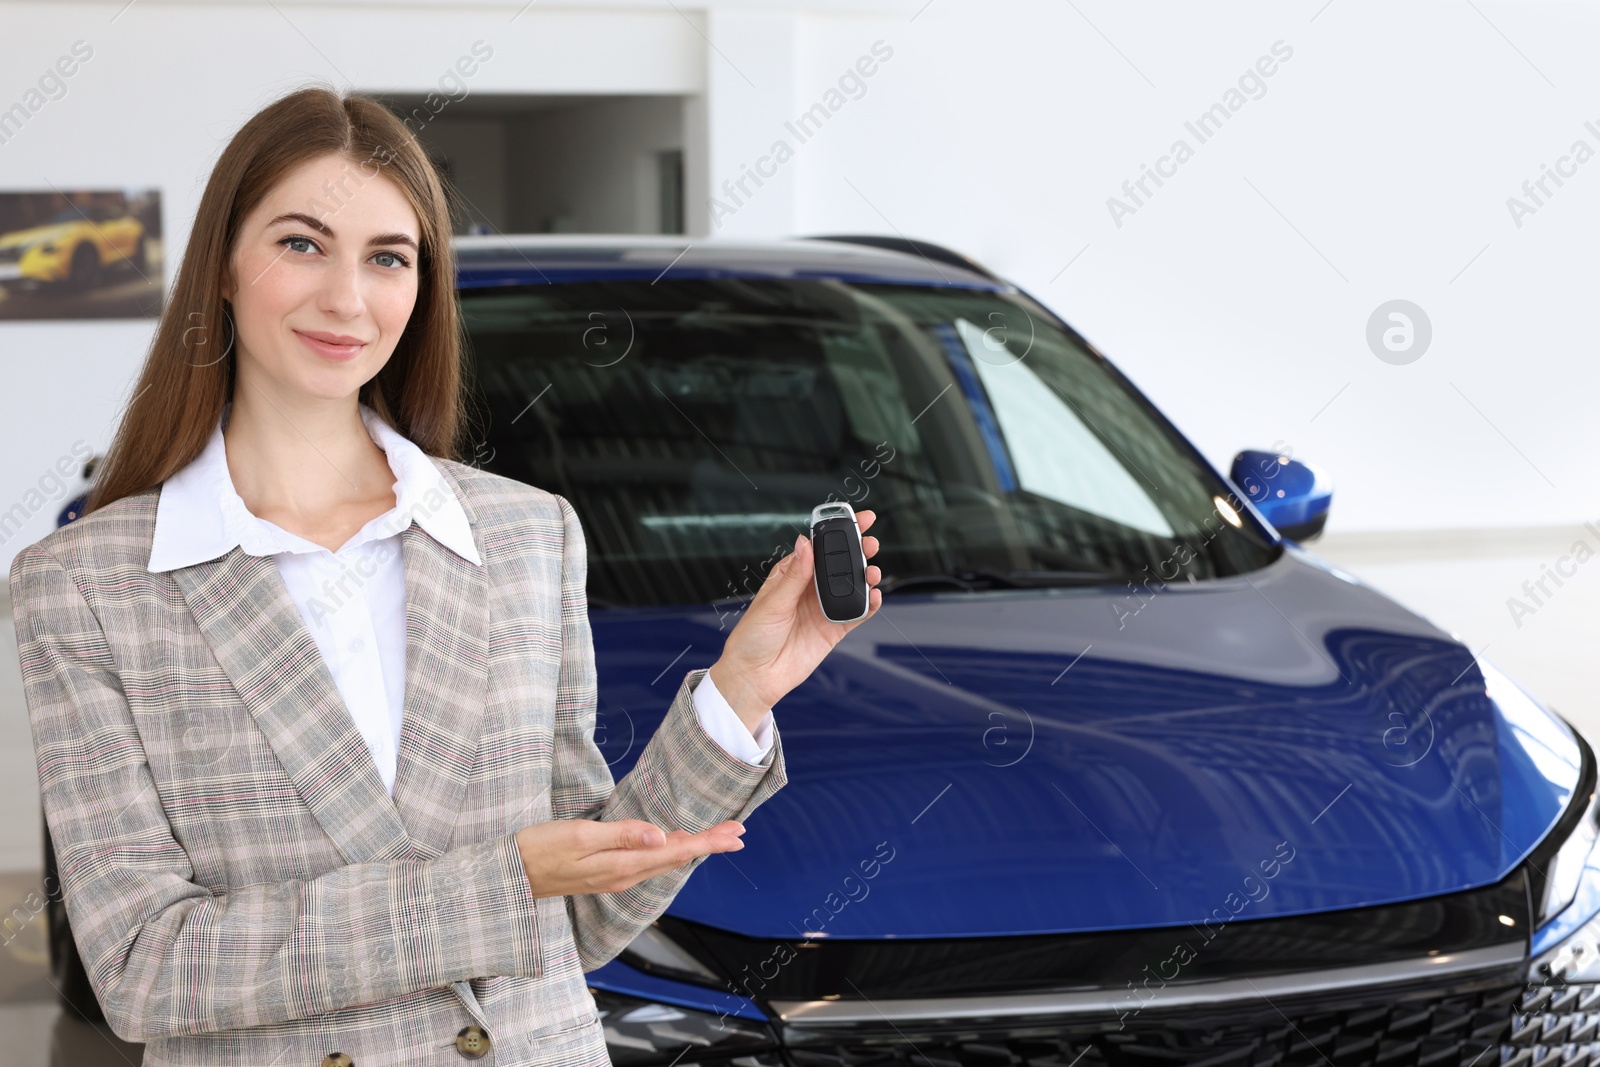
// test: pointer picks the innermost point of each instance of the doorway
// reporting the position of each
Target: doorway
(556, 164)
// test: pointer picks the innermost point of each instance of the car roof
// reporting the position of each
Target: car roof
(531, 259)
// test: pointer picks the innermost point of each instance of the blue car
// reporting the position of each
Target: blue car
(1120, 773)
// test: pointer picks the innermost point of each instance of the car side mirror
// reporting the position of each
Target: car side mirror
(1293, 496)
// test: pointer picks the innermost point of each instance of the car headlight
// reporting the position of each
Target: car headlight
(682, 1012)
(1565, 876)
(1565, 870)
(642, 1031)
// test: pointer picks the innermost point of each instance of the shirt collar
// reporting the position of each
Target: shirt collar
(200, 516)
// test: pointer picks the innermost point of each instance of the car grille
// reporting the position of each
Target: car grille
(1281, 992)
(1493, 1024)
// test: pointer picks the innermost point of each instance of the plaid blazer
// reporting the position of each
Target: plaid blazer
(242, 887)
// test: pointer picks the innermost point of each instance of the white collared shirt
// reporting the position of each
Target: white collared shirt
(354, 600)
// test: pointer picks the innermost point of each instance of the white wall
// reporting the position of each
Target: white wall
(1377, 165)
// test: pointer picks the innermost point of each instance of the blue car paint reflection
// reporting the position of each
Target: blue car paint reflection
(1030, 786)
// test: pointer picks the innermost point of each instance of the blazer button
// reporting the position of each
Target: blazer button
(473, 1042)
(337, 1059)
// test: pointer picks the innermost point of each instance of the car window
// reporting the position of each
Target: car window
(1055, 453)
(694, 423)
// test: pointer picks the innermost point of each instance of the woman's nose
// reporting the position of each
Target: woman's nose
(341, 290)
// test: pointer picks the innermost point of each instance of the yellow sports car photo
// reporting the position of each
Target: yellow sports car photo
(76, 249)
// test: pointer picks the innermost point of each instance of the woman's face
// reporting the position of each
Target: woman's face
(322, 280)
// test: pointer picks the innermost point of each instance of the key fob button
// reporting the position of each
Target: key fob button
(840, 570)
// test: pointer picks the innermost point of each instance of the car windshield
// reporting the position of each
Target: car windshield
(694, 424)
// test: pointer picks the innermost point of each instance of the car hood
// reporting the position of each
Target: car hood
(1021, 762)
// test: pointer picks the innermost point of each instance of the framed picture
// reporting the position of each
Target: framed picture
(81, 254)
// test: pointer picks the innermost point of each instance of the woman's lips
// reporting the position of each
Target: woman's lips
(330, 351)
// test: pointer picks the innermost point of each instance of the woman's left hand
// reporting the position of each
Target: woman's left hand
(783, 634)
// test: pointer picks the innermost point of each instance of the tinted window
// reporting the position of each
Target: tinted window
(695, 423)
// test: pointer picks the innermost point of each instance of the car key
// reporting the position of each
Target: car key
(839, 565)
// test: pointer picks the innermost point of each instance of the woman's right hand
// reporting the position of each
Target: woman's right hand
(566, 857)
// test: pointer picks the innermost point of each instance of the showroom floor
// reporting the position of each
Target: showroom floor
(1460, 580)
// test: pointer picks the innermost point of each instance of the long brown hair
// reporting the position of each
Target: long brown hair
(178, 398)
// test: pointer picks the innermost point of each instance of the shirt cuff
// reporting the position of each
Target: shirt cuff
(723, 724)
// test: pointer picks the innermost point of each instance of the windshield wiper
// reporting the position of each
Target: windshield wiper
(973, 579)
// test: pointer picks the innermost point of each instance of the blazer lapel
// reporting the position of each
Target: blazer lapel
(247, 616)
(447, 686)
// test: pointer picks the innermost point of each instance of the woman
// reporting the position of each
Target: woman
(313, 702)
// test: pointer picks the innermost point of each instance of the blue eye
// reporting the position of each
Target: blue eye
(400, 262)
